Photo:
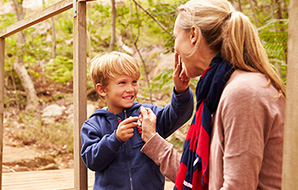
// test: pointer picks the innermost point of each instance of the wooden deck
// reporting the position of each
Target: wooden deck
(42, 180)
(48, 180)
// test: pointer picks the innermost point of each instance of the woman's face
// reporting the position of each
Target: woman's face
(185, 42)
(183, 47)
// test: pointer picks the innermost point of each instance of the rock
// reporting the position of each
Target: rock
(156, 60)
(90, 109)
(51, 166)
(165, 62)
(53, 111)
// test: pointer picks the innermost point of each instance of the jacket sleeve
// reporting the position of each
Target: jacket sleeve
(98, 152)
(174, 115)
(164, 155)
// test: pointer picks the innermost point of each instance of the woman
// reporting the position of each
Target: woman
(236, 138)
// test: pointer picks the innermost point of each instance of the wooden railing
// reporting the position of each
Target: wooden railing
(79, 75)
(290, 177)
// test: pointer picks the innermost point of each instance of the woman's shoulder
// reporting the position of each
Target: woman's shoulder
(249, 82)
(251, 86)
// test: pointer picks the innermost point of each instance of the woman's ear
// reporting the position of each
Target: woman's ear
(194, 34)
(101, 90)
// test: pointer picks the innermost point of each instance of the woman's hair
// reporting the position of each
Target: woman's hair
(231, 33)
(105, 66)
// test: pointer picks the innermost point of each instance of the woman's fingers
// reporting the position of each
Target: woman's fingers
(148, 123)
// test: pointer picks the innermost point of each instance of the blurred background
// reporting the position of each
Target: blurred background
(38, 102)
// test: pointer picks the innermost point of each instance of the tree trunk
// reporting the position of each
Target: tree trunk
(290, 159)
(239, 5)
(32, 101)
(53, 38)
(113, 37)
(141, 57)
(252, 7)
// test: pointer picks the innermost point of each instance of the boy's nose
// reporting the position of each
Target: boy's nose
(130, 88)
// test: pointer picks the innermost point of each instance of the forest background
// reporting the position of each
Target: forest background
(39, 62)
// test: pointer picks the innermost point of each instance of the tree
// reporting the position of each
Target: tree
(290, 162)
(114, 14)
(32, 101)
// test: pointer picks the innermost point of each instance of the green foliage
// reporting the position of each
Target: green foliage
(130, 25)
(6, 20)
(274, 35)
(66, 25)
(36, 46)
(164, 83)
(60, 69)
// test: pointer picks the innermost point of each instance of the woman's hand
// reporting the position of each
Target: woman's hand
(125, 128)
(181, 81)
(147, 120)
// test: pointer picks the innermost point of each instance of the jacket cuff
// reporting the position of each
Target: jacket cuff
(184, 97)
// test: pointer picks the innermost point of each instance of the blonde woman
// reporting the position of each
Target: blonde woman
(236, 138)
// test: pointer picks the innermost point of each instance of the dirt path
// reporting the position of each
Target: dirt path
(26, 158)
(13, 154)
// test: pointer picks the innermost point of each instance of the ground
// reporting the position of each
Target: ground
(25, 156)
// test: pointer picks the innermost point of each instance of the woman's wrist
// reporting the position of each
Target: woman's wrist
(147, 136)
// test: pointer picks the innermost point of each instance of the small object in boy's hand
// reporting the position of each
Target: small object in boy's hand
(139, 125)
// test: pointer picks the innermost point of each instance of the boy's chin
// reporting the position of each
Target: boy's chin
(128, 105)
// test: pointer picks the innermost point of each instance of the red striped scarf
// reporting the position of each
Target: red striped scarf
(194, 164)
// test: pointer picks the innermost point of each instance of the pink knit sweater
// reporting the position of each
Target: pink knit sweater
(247, 137)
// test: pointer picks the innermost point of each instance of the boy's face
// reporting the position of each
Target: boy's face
(121, 92)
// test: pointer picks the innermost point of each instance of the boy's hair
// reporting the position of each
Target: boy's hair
(105, 66)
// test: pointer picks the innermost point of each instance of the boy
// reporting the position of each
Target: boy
(111, 141)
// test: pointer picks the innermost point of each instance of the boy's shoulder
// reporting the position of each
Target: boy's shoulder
(102, 112)
(147, 105)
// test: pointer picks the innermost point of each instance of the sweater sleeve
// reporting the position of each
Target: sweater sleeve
(164, 155)
(244, 116)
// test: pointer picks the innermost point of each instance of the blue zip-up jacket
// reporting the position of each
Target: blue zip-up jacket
(121, 165)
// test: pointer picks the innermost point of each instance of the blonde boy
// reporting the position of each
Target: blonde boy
(111, 141)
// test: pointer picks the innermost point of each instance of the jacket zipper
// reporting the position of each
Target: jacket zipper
(128, 162)
(129, 168)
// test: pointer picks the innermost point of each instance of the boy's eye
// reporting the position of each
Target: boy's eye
(135, 81)
(122, 82)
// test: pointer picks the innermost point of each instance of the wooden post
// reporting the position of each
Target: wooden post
(79, 91)
(2, 58)
(290, 158)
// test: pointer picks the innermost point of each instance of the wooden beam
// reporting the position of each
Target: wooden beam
(2, 58)
(79, 92)
(290, 158)
(36, 18)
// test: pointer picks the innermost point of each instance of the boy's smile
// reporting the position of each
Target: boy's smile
(121, 92)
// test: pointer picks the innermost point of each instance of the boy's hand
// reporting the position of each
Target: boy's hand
(148, 123)
(125, 128)
(181, 81)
